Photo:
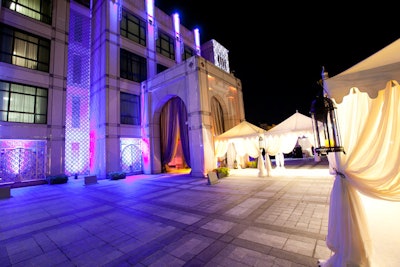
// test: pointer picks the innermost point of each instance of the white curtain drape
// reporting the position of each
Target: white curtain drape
(283, 143)
(370, 131)
(245, 146)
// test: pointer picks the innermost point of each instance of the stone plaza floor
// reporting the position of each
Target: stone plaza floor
(171, 220)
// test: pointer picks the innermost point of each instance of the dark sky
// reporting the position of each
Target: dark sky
(278, 50)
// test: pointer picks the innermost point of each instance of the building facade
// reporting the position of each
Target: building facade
(94, 87)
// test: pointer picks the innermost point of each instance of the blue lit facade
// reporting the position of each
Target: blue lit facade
(84, 85)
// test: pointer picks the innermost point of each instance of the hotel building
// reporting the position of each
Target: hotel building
(102, 86)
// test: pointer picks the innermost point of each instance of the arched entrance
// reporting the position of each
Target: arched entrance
(174, 141)
(218, 126)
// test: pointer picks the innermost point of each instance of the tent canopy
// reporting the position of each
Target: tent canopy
(243, 129)
(369, 75)
(244, 137)
(369, 130)
(298, 124)
(283, 137)
(239, 142)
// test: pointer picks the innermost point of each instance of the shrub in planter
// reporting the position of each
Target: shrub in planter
(116, 175)
(222, 172)
(57, 179)
(252, 164)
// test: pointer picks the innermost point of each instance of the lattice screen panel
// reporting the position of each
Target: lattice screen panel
(22, 160)
(131, 155)
(78, 96)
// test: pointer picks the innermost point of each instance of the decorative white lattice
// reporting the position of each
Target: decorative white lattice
(131, 155)
(22, 160)
(78, 96)
(221, 58)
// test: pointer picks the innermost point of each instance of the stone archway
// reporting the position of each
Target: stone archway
(195, 82)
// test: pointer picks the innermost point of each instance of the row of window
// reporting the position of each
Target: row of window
(131, 26)
(36, 9)
(24, 49)
(30, 51)
(17, 47)
(28, 104)
(134, 28)
(22, 103)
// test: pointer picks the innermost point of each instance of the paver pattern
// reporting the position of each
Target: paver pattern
(171, 220)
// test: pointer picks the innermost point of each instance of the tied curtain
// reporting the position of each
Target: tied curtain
(173, 121)
(369, 169)
(245, 146)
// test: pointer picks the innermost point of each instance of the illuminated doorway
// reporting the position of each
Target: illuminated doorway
(175, 149)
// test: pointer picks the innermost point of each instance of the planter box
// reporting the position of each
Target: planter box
(212, 178)
(116, 175)
(57, 179)
(222, 172)
(221, 175)
(91, 179)
(5, 191)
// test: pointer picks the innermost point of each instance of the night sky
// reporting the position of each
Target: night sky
(278, 51)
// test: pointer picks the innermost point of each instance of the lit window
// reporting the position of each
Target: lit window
(23, 103)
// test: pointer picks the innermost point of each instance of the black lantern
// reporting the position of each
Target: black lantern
(325, 128)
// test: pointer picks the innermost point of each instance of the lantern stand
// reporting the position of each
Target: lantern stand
(325, 128)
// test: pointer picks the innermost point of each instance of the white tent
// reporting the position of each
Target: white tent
(369, 75)
(365, 199)
(283, 137)
(243, 130)
(239, 142)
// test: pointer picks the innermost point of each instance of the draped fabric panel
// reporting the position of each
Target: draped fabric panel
(184, 131)
(272, 145)
(221, 147)
(283, 137)
(283, 143)
(247, 146)
(370, 131)
(218, 125)
(243, 146)
(169, 133)
(173, 124)
(217, 117)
